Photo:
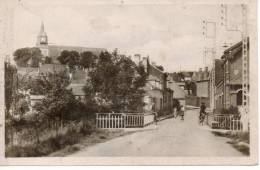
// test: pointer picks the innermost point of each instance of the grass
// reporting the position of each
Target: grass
(99, 136)
(45, 147)
(63, 145)
(239, 140)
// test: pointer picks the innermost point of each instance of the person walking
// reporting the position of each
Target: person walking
(176, 104)
(155, 117)
(202, 113)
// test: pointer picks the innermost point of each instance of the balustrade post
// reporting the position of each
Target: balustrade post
(96, 120)
(109, 120)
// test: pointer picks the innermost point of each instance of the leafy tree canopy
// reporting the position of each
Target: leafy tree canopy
(27, 57)
(87, 59)
(10, 85)
(70, 58)
(118, 81)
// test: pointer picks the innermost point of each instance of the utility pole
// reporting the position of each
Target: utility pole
(245, 59)
(206, 24)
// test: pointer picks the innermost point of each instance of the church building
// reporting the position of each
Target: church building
(53, 51)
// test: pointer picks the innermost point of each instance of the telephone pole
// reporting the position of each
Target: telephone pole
(206, 34)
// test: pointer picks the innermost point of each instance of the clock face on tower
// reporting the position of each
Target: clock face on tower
(43, 40)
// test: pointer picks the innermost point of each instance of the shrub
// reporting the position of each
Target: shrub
(231, 110)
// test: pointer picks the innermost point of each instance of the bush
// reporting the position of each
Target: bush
(230, 110)
(52, 144)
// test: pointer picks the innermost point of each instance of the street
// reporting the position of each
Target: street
(171, 137)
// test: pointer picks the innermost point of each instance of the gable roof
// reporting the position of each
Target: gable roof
(154, 72)
(230, 53)
(52, 68)
(79, 76)
(178, 92)
(77, 89)
(29, 71)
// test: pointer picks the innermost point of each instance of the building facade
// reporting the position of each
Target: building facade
(158, 97)
(229, 82)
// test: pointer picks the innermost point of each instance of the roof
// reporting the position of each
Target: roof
(178, 92)
(36, 97)
(55, 50)
(200, 81)
(79, 76)
(155, 73)
(30, 71)
(77, 89)
(230, 53)
(52, 68)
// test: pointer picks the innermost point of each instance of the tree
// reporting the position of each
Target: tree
(118, 81)
(70, 58)
(87, 59)
(41, 85)
(10, 85)
(48, 60)
(59, 103)
(27, 57)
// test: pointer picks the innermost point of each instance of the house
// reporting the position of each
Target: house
(178, 92)
(28, 71)
(79, 76)
(158, 97)
(229, 78)
(52, 68)
(219, 84)
(232, 65)
(203, 88)
(33, 99)
(77, 90)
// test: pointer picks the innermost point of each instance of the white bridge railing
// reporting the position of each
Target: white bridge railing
(123, 120)
(227, 122)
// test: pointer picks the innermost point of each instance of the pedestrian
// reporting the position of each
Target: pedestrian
(202, 113)
(182, 112)
(176, 104)
(155, 117)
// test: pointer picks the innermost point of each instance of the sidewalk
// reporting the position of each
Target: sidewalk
(196, 107)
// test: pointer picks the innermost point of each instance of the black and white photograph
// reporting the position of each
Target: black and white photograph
(129, 81)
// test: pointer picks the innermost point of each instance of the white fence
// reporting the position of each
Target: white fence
(227, 122)
(122, 120)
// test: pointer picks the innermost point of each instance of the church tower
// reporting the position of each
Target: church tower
(42, 38)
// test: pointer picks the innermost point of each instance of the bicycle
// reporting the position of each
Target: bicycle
(202, 118)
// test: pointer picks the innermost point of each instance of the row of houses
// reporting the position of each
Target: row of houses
(160, 89)
(228, 81)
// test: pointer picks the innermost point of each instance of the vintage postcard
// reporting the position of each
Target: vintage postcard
(128, 82)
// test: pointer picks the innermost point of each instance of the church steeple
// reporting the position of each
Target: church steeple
(42, 28)
(42, 38)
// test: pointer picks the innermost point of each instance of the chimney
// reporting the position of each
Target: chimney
(200, 74)
(137, 58)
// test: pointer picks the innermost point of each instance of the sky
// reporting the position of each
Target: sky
(170, 34)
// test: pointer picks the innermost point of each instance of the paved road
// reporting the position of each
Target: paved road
(171, 137)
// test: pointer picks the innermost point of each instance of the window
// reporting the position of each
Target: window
(239, 98)
(161, 104)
